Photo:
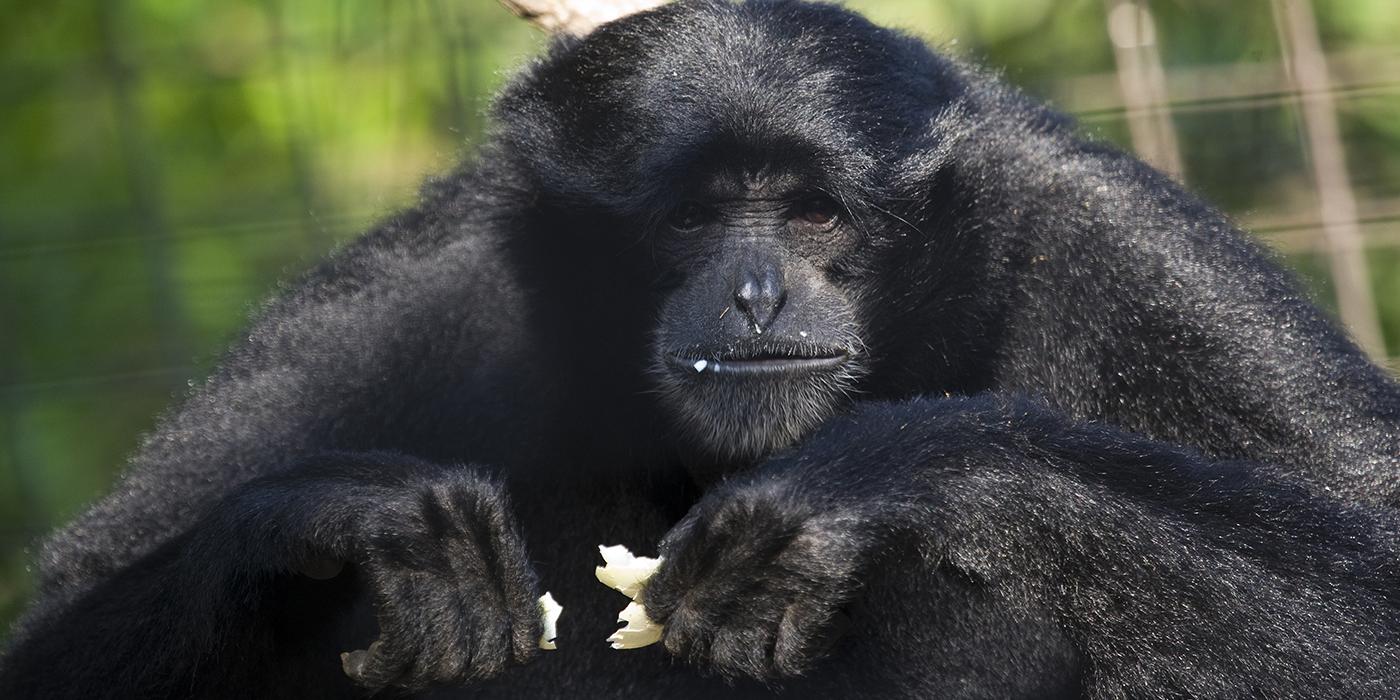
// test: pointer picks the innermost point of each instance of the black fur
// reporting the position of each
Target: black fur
(1053, 426)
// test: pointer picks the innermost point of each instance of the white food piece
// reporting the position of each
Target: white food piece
(640, 630)
(700, 367)
(627, 573)
(624, 571)
(549, 620)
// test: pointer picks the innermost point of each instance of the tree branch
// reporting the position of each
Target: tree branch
(577, 17)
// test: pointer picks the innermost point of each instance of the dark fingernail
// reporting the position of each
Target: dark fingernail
(322, 569)
(353, 662)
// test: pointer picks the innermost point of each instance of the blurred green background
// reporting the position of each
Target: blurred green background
(164, 163)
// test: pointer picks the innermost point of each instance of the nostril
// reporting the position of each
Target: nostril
(760, 299)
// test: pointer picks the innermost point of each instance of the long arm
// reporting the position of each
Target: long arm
(1153, 311)
(351, 358)
(1168, 573)
(384, 347)
(1132, 301)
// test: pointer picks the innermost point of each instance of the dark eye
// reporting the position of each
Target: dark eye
(818, 211)
(688, 216)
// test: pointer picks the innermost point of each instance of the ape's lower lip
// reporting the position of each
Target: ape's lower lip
(756, 366)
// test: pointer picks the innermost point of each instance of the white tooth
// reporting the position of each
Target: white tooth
(700, 365)
(803, 334)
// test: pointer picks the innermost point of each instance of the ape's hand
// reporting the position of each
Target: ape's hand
(753, 579)
(435, 547)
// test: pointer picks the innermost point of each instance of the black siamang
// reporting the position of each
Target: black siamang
(918, 392)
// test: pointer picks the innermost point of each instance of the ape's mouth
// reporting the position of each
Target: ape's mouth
(747, 397)
(766, 362)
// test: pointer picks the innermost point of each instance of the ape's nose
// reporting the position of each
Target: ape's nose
(760, 295)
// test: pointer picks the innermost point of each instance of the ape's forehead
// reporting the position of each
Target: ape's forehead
(643, 100)
(745, 181)
(756, 67)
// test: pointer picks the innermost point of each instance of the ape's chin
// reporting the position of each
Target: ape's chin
(740, 417)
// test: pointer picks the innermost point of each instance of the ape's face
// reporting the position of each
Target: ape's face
(766, 164)
(758, 341)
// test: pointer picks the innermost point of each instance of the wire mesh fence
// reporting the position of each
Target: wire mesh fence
(1301, 78)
